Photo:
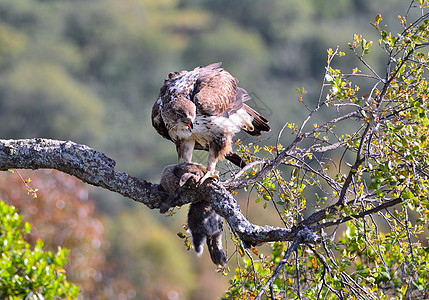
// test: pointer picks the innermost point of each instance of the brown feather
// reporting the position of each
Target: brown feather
(259, 122)
(215, 92)
(158, 123)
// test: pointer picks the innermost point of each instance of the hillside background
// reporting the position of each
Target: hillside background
(89, 71)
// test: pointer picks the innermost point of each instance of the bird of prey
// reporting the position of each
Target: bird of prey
(203, 109)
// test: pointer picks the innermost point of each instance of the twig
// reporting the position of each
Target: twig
(352, 172)
(298, 281)
(303, 236)
(317, 216)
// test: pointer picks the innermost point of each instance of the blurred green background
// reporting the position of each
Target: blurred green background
(89, 71)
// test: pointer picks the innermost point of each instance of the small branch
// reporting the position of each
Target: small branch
(303, 236)
(243, 170)
(298, 281)
(353, 169)
(361, 75)
(304, 166)
(289, 150)
(360, 57)
(321, 214)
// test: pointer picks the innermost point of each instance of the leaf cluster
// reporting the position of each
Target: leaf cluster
(25, 272)
(366, 170)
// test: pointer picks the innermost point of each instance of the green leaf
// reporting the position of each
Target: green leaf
(407, 195)
(21, 268)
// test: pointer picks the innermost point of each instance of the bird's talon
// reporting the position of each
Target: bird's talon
(210, 174)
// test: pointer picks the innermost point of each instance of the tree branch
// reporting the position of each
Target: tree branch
(96, 168)
(362, 214)
(288, 151)
(87, 164)
(320, 215)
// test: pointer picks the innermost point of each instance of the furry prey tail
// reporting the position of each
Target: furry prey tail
(206, 225)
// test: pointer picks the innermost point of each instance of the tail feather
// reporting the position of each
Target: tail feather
(236, 160)
(259, 122)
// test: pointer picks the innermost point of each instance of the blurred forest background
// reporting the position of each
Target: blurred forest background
(89, 71)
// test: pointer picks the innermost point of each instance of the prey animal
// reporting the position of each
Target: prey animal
(204, 223)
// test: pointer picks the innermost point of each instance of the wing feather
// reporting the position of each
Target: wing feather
(259, 122)
(158, 122)
(215, 93)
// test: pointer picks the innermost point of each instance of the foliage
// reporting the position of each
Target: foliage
(61, 212)
(89, 71)
(372, 182)
(27, 273)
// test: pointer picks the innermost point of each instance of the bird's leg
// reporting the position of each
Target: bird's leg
(185, 151)
(211, 162)
(211, 166)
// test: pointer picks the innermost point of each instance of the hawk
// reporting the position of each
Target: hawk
(203, 109)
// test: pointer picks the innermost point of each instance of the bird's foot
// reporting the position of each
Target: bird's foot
(210, 174)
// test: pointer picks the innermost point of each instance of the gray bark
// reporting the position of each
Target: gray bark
(96, 168)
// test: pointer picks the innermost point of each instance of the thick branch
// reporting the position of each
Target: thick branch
(96, 168)
(88, 165)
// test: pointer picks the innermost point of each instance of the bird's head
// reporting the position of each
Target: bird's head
(187, 117)
(183, 113)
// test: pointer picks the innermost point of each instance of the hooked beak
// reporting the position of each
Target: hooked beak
(190, 124)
